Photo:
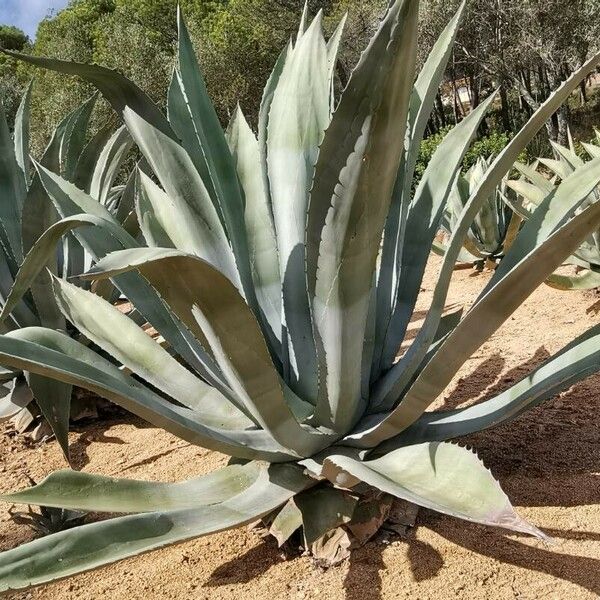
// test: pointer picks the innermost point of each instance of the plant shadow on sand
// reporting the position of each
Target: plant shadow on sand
(94, 431)
(546, 457)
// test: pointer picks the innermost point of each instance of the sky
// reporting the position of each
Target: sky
(26, 14)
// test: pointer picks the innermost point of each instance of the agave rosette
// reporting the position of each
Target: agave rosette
(533, 186)
(26, 212)
(495, 225)
(282, 310)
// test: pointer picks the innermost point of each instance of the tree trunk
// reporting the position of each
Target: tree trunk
(475, 100)
(562, 118)
(504, 108)
(583, 91)
(440, 109)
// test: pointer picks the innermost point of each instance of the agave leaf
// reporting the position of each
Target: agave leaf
(89, 157)
(591, 149)
(484, 318)
(567, 155)
(118, 335)
(263, 117)
(421, 104)
(180, 180)
(73, 490)
(559, 167)
(37, 257)
(38, 214)
(550, 214)
(222, 183)
(530, 192)
(323, 509)
(52, 354)
(298, 115)
(12, 193)
(108, 164)
(424, 215)
(17, 398)
(402, 372)
(21, 134)
(262, 245)
(54, 401)
(181, 121)
(73, 137)
(354, 177)
(576, 361)
(208, 304)
(102, 239)
(439, 476)
(587, 279)
(286, 523)
(425, 91)
(126, 206)
(161, 224)
(303, 21)
(333, 46)
(536, 178)
(119, 91)
(97, 544)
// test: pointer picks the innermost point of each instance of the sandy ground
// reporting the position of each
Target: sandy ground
(548, 461)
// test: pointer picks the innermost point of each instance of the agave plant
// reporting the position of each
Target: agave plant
(494, 227)
(283, 317)
(26, 213)
(533, 186)
(48, 519)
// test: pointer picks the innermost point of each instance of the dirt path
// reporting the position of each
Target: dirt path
(548, 461)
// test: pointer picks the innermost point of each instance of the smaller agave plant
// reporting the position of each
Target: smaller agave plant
(494, 227)
(534, 185)
(26, 212)
(47, 519)
(282, 272)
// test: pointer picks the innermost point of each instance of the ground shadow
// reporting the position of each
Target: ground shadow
(476, 382)
(363, 579)
(243, 569)
(580, 570)
(488, 377)
(92, 431)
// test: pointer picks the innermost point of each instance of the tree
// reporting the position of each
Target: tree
(11, 83)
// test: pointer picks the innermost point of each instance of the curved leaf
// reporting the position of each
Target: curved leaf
(262, 245)
(108, 164)
(54, 401)
(353, 182)
(118, 335)
(424, 214)
(74, 490)
(298, 115)
(119, 91)
(97, 544)
(578, 360)
(439, 476)
(484, 318)
(21, 134)
(403, 371)
(203, 234)
(209, 304)
(57, 356)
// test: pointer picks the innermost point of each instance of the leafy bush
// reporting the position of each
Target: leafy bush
(485, 147)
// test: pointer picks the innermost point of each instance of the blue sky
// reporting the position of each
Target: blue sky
(26, 14)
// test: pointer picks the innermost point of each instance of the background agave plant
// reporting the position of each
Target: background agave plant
(92, 164)
(533, 186)
(495, 225)
(283, 312)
